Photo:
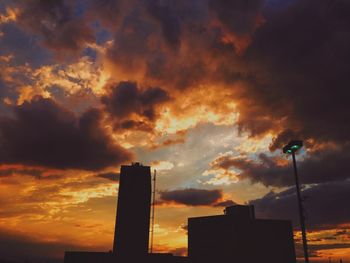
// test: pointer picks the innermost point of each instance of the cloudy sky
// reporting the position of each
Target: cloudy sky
(205, 91)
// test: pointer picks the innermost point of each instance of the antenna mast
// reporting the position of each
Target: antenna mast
(153, 208)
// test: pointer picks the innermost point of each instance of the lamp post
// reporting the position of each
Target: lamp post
(291, 148)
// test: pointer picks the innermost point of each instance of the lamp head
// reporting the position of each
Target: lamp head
(292, 146)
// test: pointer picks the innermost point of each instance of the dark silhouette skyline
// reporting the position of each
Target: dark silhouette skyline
(235, 236)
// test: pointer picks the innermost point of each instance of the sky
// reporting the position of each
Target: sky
(206, 92)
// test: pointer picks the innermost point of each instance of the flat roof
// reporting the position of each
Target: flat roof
(232, 217)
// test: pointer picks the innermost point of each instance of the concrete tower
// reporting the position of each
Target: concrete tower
(133, 212)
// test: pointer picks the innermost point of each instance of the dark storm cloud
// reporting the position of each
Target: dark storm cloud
(192, 196)
(240, 16)
(325, 205)
(55, 22)
(129, 49)
(168, 20)
(294, 70)
(149, 40)
(107, 12)
(126, 98)
(3, 91)
(42, 133)
(302, 54)
(109, 176)
(265, 170)
(320, 167)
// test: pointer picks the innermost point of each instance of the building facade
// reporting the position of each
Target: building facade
(238, 237)
(131, 237)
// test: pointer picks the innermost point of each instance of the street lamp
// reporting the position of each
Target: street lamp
(291, 148)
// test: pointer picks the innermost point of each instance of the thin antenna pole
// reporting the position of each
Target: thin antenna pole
(153, 208)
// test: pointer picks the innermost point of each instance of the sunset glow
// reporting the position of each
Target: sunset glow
(205, 92)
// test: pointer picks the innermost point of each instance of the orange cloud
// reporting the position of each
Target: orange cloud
(10, 15)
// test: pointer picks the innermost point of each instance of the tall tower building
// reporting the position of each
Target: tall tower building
(133, 212)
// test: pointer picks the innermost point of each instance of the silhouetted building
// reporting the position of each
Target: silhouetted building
(132, 220)
(242, 212)
(239, 237)
(165, 258)
(109, 257)
(235, 237)
(132, 224)
(88, 257)
(133, 212)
